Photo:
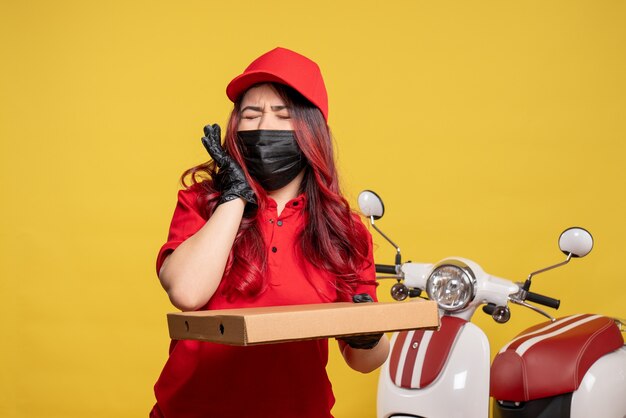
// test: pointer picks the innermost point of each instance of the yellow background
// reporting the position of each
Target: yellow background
(486, 126)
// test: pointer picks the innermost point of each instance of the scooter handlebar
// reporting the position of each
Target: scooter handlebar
(385, 268)
(543, 300)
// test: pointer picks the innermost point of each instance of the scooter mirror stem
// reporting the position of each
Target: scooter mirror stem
(398, 255)
(527, 284)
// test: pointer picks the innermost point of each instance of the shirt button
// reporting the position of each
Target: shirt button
(274, 249)
(279, 223)
(271, 221)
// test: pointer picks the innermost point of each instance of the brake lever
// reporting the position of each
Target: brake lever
(532, 307)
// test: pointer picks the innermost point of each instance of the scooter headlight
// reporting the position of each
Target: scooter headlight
(452, 285)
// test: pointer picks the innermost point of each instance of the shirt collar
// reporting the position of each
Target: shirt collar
(295, 205)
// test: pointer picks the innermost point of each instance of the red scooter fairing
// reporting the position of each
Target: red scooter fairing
(418, 357)
(552, 358)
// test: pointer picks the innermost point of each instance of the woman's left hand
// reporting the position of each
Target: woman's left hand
(367, 341)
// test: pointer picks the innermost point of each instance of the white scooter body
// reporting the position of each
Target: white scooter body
(602, 392)
(461, 390)
(462, 387)
(541, 366)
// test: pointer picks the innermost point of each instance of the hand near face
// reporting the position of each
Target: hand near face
(230, 179)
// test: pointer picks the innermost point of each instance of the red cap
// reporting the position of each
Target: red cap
(283, 66)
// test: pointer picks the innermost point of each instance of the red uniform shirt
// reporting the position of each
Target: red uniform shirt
(284, 380)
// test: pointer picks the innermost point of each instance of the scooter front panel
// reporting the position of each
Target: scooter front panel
(418, 356)
(461, 389)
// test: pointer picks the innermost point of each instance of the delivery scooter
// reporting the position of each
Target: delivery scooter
(568, 367)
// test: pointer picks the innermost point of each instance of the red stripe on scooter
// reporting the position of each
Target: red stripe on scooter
(439, 348)
(396, 352)
(543, 328)
(411, 355)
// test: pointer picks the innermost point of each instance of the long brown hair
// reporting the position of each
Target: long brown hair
(333, 237)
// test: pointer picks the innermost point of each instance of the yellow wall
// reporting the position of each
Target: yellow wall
(487, 127)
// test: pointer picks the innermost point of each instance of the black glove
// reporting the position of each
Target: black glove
(364, 342)
(231, 181)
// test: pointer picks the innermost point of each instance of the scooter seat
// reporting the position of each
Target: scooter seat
(552, 358)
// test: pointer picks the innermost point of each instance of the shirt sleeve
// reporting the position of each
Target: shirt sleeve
(367, 278)
(186, 221)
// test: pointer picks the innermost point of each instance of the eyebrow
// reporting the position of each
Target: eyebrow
(260, 109)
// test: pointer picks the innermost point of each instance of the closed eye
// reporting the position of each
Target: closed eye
(248, 113)
(282, 112)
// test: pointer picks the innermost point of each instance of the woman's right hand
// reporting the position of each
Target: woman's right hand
(231, 179)
(192, 273)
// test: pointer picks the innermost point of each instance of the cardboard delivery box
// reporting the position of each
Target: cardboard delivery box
(250, 326)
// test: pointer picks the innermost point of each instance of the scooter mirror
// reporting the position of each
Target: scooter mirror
(370, 204)
(576, 241)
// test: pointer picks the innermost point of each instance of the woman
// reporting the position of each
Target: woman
(264, 224)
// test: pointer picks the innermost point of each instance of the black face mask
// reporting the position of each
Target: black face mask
(273, 158)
